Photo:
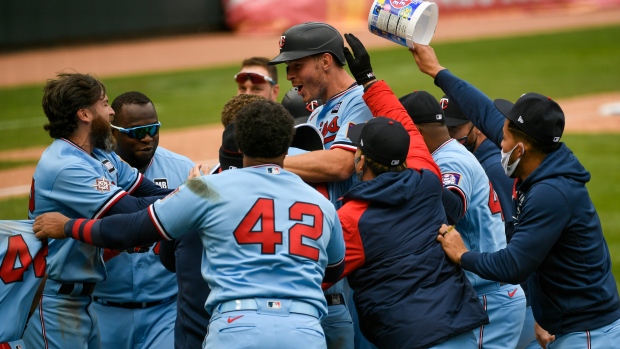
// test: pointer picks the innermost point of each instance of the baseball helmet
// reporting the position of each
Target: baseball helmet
(307, 39)
(296, 106)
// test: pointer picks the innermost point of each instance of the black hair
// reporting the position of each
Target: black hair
(544, 148)
(272, 70)
(132, 97)
(378, 169)
(64, 96)
(264, 129)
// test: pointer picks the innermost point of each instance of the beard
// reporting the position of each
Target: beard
(101, 134)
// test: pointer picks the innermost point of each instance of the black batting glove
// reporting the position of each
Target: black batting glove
(360, 65)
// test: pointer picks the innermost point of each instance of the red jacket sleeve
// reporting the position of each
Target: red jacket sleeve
(382, 102)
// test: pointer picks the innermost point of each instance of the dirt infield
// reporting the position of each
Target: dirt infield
(201, 144)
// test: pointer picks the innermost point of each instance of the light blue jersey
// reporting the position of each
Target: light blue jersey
(22, 268)
(482, 229)
(334, 119)
(140, 277)
(71, 181)
(265, 232)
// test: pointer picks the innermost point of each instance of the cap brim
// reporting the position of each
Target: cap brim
(504, 107)
(307, 137)
(288, 56)
(355, 133)
(454, 121)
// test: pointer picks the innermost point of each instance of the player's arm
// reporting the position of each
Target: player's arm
(382, 102)
(540, 226)
(167, 255)
(472, 102)
(335, 253)
(333, 165)
(454, 204)
(116, 232)
(354, 249)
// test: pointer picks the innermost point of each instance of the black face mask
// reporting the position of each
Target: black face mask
(463, 141)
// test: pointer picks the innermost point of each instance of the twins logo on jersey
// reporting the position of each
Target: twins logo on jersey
(330, 128)
(451, 178)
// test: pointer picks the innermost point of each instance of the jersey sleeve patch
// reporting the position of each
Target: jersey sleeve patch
(451, 178)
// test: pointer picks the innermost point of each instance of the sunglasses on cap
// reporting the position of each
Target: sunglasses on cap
(254, 77)
(140, 132)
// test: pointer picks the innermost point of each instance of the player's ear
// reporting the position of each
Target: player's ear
(83, 114)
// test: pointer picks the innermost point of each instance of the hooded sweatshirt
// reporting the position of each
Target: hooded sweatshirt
(558, 240)
(407, 293)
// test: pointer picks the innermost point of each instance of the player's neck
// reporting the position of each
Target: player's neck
(248, 161)
(342, 82)
(82, 139)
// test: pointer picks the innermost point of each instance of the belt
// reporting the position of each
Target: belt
(77, 288)
(297, 307)
(488, 287)
(335, 299)
(131, 305)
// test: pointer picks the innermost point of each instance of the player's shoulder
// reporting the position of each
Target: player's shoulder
(164, 154)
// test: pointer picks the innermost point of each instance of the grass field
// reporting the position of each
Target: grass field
(558, 65)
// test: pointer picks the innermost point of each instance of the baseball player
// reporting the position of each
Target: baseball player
(136, 305)
(22, 269)
(315, 66)
(266, 253)
(406, 291)
(558, 243)
(257, 77)
(299, 109)
(464, 131)
(79, 176)
(472, 205)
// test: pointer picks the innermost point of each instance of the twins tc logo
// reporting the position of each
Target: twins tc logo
(312, 105)
(401, 3)
(281, 42)
(444, 103)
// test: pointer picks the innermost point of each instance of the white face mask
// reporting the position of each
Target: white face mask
(510, 169)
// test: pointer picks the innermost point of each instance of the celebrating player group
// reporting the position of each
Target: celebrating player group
(343, 217)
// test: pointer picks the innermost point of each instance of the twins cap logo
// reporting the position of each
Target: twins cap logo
(281, 42)
(444, 103)
(395, 162)
(438, 116)
(556, 139)
(520, 119)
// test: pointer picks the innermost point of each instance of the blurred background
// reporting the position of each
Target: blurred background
(40, 23)
(183, 54)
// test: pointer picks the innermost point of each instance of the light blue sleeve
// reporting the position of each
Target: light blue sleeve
(84, 191)
(457, 177)
(183, 210)
(335, 247)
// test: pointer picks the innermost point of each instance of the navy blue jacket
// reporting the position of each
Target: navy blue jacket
(407, 293)
(183, 256)
(558, 240)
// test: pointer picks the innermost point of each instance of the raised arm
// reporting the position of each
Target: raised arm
(382, 102)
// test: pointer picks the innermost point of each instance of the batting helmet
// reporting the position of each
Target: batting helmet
(299, 109)
(307, 39)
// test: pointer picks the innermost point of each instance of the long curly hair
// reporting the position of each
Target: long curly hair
(64, 96)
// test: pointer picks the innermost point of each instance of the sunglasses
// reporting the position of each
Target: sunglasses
(254, 77)
(140, 132)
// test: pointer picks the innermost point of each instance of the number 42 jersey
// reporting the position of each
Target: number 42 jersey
(22, 267)
(265, 232)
